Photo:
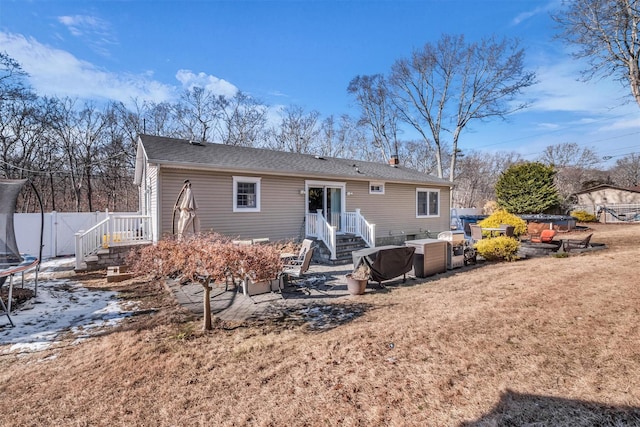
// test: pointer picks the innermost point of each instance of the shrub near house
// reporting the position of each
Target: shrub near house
(501, 217)
(206, 259)
(501, 248)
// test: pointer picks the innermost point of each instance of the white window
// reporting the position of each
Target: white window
(376, 188)
(427, 202)
(246, 194)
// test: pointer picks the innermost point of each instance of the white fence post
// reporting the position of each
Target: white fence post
(53, 233)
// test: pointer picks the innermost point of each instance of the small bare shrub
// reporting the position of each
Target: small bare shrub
(501, 248)
(206, 259)
(490, 207)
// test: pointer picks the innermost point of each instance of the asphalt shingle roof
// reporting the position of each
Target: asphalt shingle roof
(615, 187)
(179, 152)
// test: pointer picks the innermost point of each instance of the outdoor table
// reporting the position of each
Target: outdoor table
(495, 231)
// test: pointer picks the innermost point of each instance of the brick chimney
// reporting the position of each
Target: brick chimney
(394, 161)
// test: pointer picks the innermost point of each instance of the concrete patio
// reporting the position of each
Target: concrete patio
(326, 283)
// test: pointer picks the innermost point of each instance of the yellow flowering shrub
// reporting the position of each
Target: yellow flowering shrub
(501, 248)
(583, 216)
(503, 217)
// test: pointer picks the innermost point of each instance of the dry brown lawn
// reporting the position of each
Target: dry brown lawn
(547, 341)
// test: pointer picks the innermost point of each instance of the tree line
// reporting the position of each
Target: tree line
(81, 154)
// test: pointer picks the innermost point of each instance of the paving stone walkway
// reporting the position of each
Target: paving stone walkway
(324, 282)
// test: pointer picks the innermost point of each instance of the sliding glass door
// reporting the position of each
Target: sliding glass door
(328, 197)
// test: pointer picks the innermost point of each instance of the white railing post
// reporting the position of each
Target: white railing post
(372, 237)
(332, 238)
(358, 221)
(79, 250)
(320, 224)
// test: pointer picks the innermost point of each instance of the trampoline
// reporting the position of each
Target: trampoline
(12, 262)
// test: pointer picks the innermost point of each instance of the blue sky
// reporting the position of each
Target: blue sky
(305, 53)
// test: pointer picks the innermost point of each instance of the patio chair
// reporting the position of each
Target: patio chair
(508, 229)
(299, 259)
(295, 271)
(545, 236)
(569, 244)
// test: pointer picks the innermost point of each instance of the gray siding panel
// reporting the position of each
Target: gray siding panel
(282, 207)
(153, 199)
(394, 212)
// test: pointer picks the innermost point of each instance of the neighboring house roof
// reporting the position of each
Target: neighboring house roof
(182, 153)
(614, 187)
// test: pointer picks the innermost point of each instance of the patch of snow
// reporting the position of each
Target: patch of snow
(60, 307)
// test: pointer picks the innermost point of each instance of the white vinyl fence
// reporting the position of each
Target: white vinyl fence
(59, 231)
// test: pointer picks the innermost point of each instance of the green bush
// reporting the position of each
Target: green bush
(501, 248)
(503, 217)
(584, 216)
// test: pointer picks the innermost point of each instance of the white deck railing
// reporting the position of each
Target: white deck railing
(356, 224)
(114, 230)
(352, 222)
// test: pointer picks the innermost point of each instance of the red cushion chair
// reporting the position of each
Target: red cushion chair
(545, 236)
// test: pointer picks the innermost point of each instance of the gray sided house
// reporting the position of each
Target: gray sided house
(608, 194)
(251, 193)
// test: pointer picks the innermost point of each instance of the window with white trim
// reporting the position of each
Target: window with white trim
(246, 194)
(427, 202)
(376, 188)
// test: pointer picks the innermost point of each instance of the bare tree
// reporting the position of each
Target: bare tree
(445, 86)
(476, 177)
(418, 155)
(607, 34)
(575, 165)
(243, 121)
(117, 159)
(377, 112)
(198, 113)
(626, 172)
(12, 79)
(80, 132)
(157, 119)
(298, 131)
(337, 136)
(569, 154)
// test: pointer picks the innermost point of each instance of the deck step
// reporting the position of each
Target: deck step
(345, 245)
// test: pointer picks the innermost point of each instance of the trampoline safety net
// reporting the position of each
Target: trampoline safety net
(9, 253)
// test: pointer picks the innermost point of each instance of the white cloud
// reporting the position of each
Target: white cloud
(189, 80)
(80, 24)
(95, 32)
(622, 124)
(559, 89)
(59, 73)
(550, 126)
(552, 5)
